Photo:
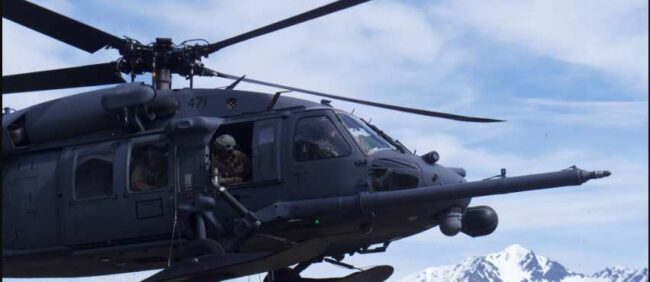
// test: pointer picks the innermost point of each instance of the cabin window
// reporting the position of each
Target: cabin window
(266, 162)
(231, 152)
(266, 151)
(368, 139)
(317, 138)
(148, 166)
(266, 136)
(94, 176)
(266, 154)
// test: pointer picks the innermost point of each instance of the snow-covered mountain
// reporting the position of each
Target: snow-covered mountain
(516, 263)
(621, 274)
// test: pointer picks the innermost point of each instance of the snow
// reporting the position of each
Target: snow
(516, 263)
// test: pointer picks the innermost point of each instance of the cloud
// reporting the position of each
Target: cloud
(588, 207)
(363, 52)
(610, 37)
(25, 50)
(595, 203)
(598, 114)
(405, 54)
(544, 211)
(482, 161)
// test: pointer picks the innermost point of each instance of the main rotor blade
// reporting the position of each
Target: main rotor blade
(306, 16)
(90, 75)
(363, 102)
(59, 27)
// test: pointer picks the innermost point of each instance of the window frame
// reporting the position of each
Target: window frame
(350, 149)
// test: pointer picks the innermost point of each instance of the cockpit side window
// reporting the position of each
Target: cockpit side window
(317, 138)
(368, 139)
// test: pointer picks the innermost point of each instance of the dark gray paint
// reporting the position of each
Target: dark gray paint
(47, 232)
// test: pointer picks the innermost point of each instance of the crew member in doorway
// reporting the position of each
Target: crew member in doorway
(232, 165)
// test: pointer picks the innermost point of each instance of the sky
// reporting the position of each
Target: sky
(570, 77)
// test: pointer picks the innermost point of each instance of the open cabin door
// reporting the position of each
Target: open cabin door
(259, 141)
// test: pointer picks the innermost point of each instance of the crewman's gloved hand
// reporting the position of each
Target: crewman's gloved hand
(215, 178)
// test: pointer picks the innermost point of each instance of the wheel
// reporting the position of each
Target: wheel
(201, 247)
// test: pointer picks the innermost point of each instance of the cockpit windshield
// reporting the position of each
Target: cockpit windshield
(368, 139)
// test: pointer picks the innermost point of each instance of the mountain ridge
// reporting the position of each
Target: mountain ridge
(517, 263)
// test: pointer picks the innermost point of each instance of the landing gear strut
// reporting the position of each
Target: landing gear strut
(203, 223)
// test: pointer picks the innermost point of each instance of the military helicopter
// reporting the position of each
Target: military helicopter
(322, 183)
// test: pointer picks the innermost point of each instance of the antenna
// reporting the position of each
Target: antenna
(275, 99)
(232, 85)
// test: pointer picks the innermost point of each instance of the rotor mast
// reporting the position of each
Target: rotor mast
(162, 75)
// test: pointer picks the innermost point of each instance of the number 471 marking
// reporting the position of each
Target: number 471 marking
(198, 102)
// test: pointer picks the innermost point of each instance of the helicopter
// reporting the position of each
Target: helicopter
(322, 183)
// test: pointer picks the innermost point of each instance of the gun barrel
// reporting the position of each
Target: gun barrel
(362, 203)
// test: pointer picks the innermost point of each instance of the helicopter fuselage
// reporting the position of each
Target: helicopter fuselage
(53, 227)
